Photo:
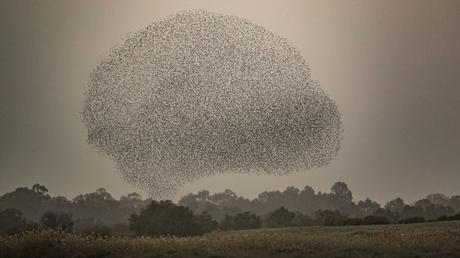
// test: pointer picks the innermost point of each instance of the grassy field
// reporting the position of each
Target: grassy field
(437, 239)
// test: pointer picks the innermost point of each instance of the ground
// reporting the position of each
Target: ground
(436, 239)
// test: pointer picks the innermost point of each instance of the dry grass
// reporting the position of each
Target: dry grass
(440, 239)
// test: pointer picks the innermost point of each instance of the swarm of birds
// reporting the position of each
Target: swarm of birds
(198, 94)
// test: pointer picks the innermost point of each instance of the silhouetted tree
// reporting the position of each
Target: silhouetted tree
(99, 205)
(340, 189)
(40, 189)
(279, 218)
(132, 200)
(31, 202)
(165, 218)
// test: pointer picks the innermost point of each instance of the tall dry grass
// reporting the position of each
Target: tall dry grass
(422, 240)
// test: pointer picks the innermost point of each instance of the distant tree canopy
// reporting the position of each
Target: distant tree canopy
(99, 205)
(307, 202)
(341, 191)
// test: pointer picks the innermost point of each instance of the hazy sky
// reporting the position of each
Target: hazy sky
(393, 68)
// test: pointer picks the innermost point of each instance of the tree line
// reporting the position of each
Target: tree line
(307, 201)
(195, 214)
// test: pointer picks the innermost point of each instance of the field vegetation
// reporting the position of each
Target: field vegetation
(434, 239)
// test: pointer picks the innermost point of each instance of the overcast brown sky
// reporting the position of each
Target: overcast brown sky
(393, 68)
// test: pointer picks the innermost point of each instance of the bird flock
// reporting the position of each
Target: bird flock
(199, 94)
